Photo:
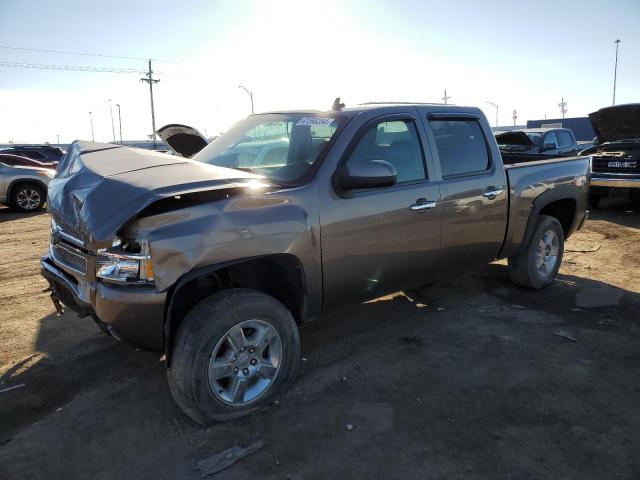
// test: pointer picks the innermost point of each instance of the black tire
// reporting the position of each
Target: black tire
(24, 195)
(200, 333)
(523, 268)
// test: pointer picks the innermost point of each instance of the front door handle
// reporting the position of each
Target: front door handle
(422, 204)
(493, 192)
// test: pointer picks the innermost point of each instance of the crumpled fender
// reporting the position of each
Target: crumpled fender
(233, 228)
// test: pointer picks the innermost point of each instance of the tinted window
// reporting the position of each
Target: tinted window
(33, 154)
(7, 160)
(461, 146)
(550, 138)
(564, 138)
(396, 142)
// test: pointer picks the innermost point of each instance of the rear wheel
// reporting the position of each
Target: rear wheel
(537, 266)
(234, 352)
(28, 197)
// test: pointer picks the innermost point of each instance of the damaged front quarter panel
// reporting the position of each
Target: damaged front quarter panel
(244, 224)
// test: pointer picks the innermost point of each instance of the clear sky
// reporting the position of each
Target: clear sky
(302, 54)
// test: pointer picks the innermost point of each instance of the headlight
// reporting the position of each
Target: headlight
(125, 262)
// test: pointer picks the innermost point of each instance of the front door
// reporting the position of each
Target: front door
(383, 239)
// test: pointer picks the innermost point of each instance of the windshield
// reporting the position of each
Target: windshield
(282, 147)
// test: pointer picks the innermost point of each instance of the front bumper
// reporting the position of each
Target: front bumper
(133, 313)
(612, 182)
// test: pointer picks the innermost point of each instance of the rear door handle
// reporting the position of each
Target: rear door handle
(422, 204)
(493, 192)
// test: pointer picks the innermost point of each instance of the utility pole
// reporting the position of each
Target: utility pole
(119, 122)
(445, 98)
(113, 129)
(250, 93)
(563, 107)
(496, 107)
(150, 80)
(615, 71)
(93, 138)
(515, 117)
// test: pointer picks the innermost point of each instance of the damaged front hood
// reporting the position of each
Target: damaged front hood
(100, 187)
(621, 122)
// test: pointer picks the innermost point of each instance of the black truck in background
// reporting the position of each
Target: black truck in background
(615, 164)
(532, 144)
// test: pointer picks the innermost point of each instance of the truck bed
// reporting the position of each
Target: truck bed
(532, 182)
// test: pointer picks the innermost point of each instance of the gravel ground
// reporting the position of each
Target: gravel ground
(466, 378)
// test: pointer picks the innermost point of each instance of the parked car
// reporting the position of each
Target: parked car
(17, 161)
(216, 266)
(42, 153)
(533, 144)
(616, 156)
(24, 188)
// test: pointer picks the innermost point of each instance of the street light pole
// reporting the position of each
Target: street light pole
(615, 71)
(93, 138)
(113, 128)
(119, 122)
(496, 107)
(250, 93)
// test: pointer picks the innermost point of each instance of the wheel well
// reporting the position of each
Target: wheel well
(564, 210)
(280, 276)
(25, 181)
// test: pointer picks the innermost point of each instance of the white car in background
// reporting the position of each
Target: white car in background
(24, 188)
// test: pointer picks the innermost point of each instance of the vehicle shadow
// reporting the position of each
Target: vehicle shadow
(469, 371)
(7, 214)
(625, 212)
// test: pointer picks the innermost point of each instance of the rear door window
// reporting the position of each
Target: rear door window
(564, 138)
(461, 146)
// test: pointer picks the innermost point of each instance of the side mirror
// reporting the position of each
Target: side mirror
(549, 146)
(369, 174)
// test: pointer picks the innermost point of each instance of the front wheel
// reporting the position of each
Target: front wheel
(28, 197)
(537, 266)
(234, 352)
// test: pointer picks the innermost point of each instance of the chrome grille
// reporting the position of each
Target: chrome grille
(66, 231)
(70, 258)
(617, 162)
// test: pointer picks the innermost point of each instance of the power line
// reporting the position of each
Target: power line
(72, 68)
(63, 52)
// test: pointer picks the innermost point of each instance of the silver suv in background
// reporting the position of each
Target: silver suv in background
(24, 188)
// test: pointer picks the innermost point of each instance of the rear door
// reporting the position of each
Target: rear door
(473, 190)
(380, 240)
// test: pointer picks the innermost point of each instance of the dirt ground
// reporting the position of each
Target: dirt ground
(466, 378)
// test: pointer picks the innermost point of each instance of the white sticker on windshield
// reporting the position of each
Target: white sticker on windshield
(315, 121)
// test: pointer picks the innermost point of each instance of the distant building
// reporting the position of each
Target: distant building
(581, 126)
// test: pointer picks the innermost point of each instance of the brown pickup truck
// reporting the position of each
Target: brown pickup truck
(216, 260)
